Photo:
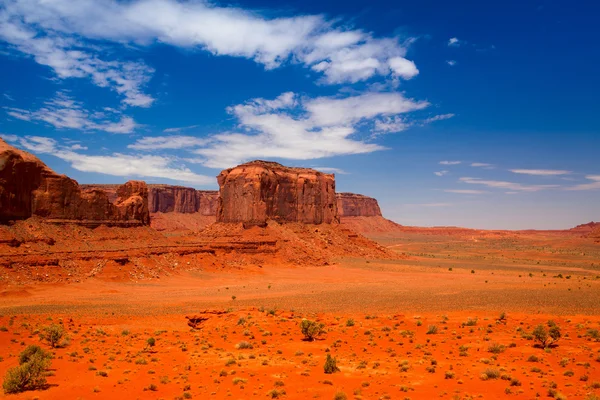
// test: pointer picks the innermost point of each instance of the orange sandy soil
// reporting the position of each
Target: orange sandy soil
(442, 278)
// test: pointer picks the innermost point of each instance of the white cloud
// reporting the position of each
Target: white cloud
(454, 42)
(465, 191)
(167, 142)
(8, 97)
(594, 185)
(403, 68)
(482, 165)
(293, 128)
(339, 53)
(116, 164)
(540, 172)
(390, 125)
(179, 129)
(9, 138)
(441, 173)
(451, 63)
(77, 146)
(331, 170)
(63, 112)
(67, 56)
(440, 117)
(450, 162)
(507, 185)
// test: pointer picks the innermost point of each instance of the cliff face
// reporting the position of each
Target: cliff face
(357, 205)
(29, 188)
(167, 198)
(257, 191)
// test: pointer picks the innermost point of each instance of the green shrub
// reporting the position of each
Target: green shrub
(53, 334)
(30, 374)
(330, 366)
(350, 322)
(496, 348)
(32, 351)
(311, 329)
(432, 330)
(546, 337)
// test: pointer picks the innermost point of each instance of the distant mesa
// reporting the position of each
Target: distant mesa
(29, 188)
(258, 191)
(252, 194)
(180, 199)
(357, 205)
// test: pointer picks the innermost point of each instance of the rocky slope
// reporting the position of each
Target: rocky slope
(257, 191)
(29, 188)
(357, 205)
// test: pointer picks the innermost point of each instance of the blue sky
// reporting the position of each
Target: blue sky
(469, 114)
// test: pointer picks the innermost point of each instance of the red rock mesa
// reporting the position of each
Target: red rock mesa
(357, 205)
(257, 191)
(29, 188)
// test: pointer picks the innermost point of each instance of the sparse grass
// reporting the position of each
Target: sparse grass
(496, 348)
(244, 345)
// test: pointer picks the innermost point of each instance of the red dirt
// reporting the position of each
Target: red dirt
(146, 282)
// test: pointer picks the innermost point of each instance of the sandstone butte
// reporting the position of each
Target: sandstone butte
(357, 205)
(30, 188)
(258, 191)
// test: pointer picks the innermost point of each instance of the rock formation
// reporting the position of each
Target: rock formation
(257, 191)
(29, 188)
(357, 205)
(167, 198)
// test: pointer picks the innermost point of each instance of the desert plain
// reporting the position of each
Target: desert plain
(317, 297)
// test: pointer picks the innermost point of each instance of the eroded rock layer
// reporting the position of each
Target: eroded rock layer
(257, 191)
(168, 198)
(29, 188)
(357, 205)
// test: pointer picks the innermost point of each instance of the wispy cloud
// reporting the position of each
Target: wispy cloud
(63, 112)
(292, 127)
(33, 28)
(593, 185)
(540, 172)
(451, 63)
(482, 165)
(513, 186)
(465, 191)
(450, 162)
(441, 173)
(179, 129)
(8, 97)
(440, 117)
(168, 142)
(331, 170)
(9, 138)
(116, 164)
(59, 35)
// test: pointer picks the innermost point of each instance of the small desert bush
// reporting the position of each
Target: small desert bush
(30, 374)
(340, 396)
(496, 348)
(311, 329)
(533, 358)
(330, 366)
(53, 334)
(470, 322)
(350, 322)
(244, 345)
(432, 330)
(490, 373)
(546, 337)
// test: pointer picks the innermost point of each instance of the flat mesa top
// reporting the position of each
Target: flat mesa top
(271, 165)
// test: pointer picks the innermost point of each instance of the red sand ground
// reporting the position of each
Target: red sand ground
(442, 277)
